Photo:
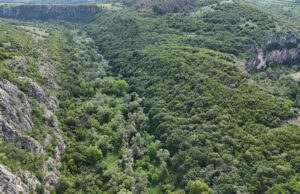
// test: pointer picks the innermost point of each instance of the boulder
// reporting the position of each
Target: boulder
(9, 183)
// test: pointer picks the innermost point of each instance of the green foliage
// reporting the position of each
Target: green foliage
(171, 107)
(17, 158)
(280, 80)
(93, 155)
(198, 187)
(159, 10)
(273, 46)
(20, 55)
(199, 103)
(119, 87)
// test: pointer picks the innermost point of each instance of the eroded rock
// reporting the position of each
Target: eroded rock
(30, 180)
(52, 173)
(276, 49)
(7, 132)
(14, 106)
(47, 70)
(20, 63)
(9, 183)
(35, 91)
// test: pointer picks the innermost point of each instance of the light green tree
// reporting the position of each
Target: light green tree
(119, 87)
(198, 187)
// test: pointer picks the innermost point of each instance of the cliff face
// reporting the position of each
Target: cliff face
(45, 12)
(16, 120)
(9, 183)
(276, 49)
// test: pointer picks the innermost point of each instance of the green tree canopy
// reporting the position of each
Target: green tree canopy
(198, 187)
(119, 87)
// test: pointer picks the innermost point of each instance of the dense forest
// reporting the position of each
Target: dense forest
(153, 98)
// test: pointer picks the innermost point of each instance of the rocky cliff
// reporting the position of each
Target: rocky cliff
(10, 183)
(276, 49)
(45, 12)
(17, 106)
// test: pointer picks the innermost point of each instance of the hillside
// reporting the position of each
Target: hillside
(288, 10)
(152, 98)
(49, 1)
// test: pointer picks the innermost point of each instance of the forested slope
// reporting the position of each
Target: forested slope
(200, 104)
(31, 139)
(187, 119)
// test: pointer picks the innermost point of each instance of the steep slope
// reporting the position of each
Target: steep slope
(286, 10)
(275, 63)
(276, 49)
(33, 142)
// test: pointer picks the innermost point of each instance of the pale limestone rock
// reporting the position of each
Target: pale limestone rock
(262, 57)
(9, 183)
(14, 106)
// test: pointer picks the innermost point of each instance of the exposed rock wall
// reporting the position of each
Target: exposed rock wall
(35, 91)
(9, 183)
(47, 70)
(277, 48)
(13, 184)
(16, 118)
(14, 106)
(48, 11)
(30, 180)
(14, 136)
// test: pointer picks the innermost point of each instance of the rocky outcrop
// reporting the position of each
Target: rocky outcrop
(35, 91)
(15, 117)
(22, 182)
(14, 106)
(52, 173)
(7, 132)
(51, 120)
(46, 12)
(276, 49)
(50, 166)
(47, 70)
(47, 104)
(30, 180)
(31, 144)
(20, 63)
(13, 124)
(9, 183)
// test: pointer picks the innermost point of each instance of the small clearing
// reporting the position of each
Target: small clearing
(296, 76)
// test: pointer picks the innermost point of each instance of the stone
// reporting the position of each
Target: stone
(262, 57)
(14, 136)
(10, 183)
(14, 106)
(30, 180)
(52, 173)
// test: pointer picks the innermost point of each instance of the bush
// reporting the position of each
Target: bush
(119, 87)
(198, 187)
(93, 155)
(159, 10)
